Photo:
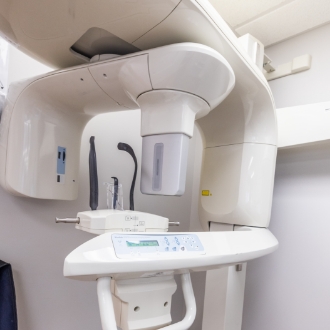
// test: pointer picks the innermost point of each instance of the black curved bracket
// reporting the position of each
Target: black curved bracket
(128, 148)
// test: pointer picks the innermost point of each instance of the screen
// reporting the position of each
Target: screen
(142, 243)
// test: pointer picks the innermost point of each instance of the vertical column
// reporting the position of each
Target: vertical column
(224, 294)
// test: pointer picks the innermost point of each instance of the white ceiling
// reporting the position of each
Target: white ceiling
(272, 21)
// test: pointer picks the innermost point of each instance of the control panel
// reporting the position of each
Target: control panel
(153, 246)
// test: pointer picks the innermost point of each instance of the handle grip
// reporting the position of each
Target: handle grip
(67, 220)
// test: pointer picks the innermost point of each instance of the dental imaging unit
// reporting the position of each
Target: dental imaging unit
(179, 63)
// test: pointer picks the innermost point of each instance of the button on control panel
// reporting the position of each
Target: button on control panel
(155, 246)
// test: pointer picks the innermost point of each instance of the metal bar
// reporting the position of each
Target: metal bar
(67, 220)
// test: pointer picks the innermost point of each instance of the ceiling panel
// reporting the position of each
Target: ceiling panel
(239, 12)
(272, 21)
(285, 22)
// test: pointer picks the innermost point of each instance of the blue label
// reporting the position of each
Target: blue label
(61, 159)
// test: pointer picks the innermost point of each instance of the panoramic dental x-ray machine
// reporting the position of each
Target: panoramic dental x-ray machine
(179, 63)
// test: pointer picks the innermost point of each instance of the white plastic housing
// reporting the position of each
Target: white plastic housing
(164, 164)
(102, 221)
(143, 304)
(241, 192)
(44, 117)
(176, 112)
(254, 48)
(246, 115)
(97, 258)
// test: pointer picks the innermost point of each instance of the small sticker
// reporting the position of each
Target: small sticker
(205, 192)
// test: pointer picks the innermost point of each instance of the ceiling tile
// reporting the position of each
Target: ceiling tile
(239, 12)
(284, 22)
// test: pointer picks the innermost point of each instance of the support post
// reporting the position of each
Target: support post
(189, 298)
(108, 319)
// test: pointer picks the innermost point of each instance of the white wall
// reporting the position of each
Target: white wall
(290, 289)
(21, 66)
(3, 66)
(36, 246)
